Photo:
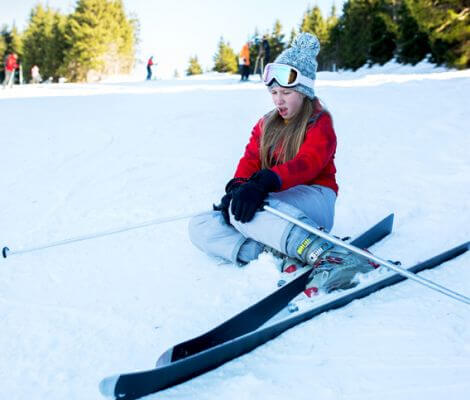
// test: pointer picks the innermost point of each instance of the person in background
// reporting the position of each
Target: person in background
(150, 64)
(245, 61)
(266, 51)
(264, 54)
(11, 64)
(259, 64)
(35, 76)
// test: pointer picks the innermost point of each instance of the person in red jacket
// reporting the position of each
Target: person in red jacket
(289, 163)
(10, 66)
(150, 64)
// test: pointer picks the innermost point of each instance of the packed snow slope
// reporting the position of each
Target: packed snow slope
(79, 159)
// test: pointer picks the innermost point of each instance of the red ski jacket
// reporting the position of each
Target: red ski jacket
(313, 164)
(10, 64)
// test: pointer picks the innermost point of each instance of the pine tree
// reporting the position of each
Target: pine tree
(332, 19)
(293, 34)
(225, 59)
(13, 40)
(353, 34)
(314, 23)
(43, 42)
(3, 49)
(330, 48)
(100, 40)
(194, 67)
(383, 33)
(276, 40)
(447, 24)
(57, 45)
(413, 42)
(346, 36)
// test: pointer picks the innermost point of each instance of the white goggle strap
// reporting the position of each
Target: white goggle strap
(305, 81)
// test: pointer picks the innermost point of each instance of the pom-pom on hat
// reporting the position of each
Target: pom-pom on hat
(303, 56)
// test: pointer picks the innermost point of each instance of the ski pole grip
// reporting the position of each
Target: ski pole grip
(5, 251)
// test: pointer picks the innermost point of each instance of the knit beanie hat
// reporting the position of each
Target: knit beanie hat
(302, 55)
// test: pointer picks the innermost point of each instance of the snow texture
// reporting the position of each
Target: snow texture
(84, 158)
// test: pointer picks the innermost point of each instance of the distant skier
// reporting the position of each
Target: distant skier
(245, 62)
(266, 51)
(150, 64)
(11, 64)
(35, 75)
(264, 54)
(289, 163)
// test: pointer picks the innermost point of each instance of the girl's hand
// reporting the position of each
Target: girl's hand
(246, 200)
(249, 197)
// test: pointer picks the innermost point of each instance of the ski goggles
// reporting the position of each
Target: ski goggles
(285, 75)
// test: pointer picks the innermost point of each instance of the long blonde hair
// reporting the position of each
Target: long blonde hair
(280, 142)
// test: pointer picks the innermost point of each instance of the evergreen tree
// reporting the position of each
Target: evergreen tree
(366, 33)
(13, 40)
(276, 41)
(330, 48)
(413, 42)
(353, 34)
(314, 23)
(225, 59)
(43, 42)
(57, 45)
(3, 49)
(447, 24)
(375, 31)
(100, 40)
(383, 33)
(194, 67)
(332, 19)
(293, 34)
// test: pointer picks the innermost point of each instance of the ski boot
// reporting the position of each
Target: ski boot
(334, 268)
(290, 269)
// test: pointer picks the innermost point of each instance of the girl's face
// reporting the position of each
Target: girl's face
(287, 101)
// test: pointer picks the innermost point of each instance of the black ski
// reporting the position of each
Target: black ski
(231, 339)
(252, 327)
(139, 384)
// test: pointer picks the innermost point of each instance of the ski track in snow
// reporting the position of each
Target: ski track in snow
(82, 159)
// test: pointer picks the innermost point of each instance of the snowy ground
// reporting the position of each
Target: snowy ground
(80, 159)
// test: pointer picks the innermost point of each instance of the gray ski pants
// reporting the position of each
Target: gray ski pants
(242, 243)
(9, 78)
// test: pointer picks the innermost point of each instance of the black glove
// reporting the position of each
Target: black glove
(249, 197)
(232, 185)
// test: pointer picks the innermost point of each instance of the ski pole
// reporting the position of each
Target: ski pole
(7, 252)
(358, 251)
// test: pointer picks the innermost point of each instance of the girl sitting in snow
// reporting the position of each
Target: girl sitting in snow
(288, 163)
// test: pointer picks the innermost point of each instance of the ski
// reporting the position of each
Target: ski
(169, 373)
(238, 335)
